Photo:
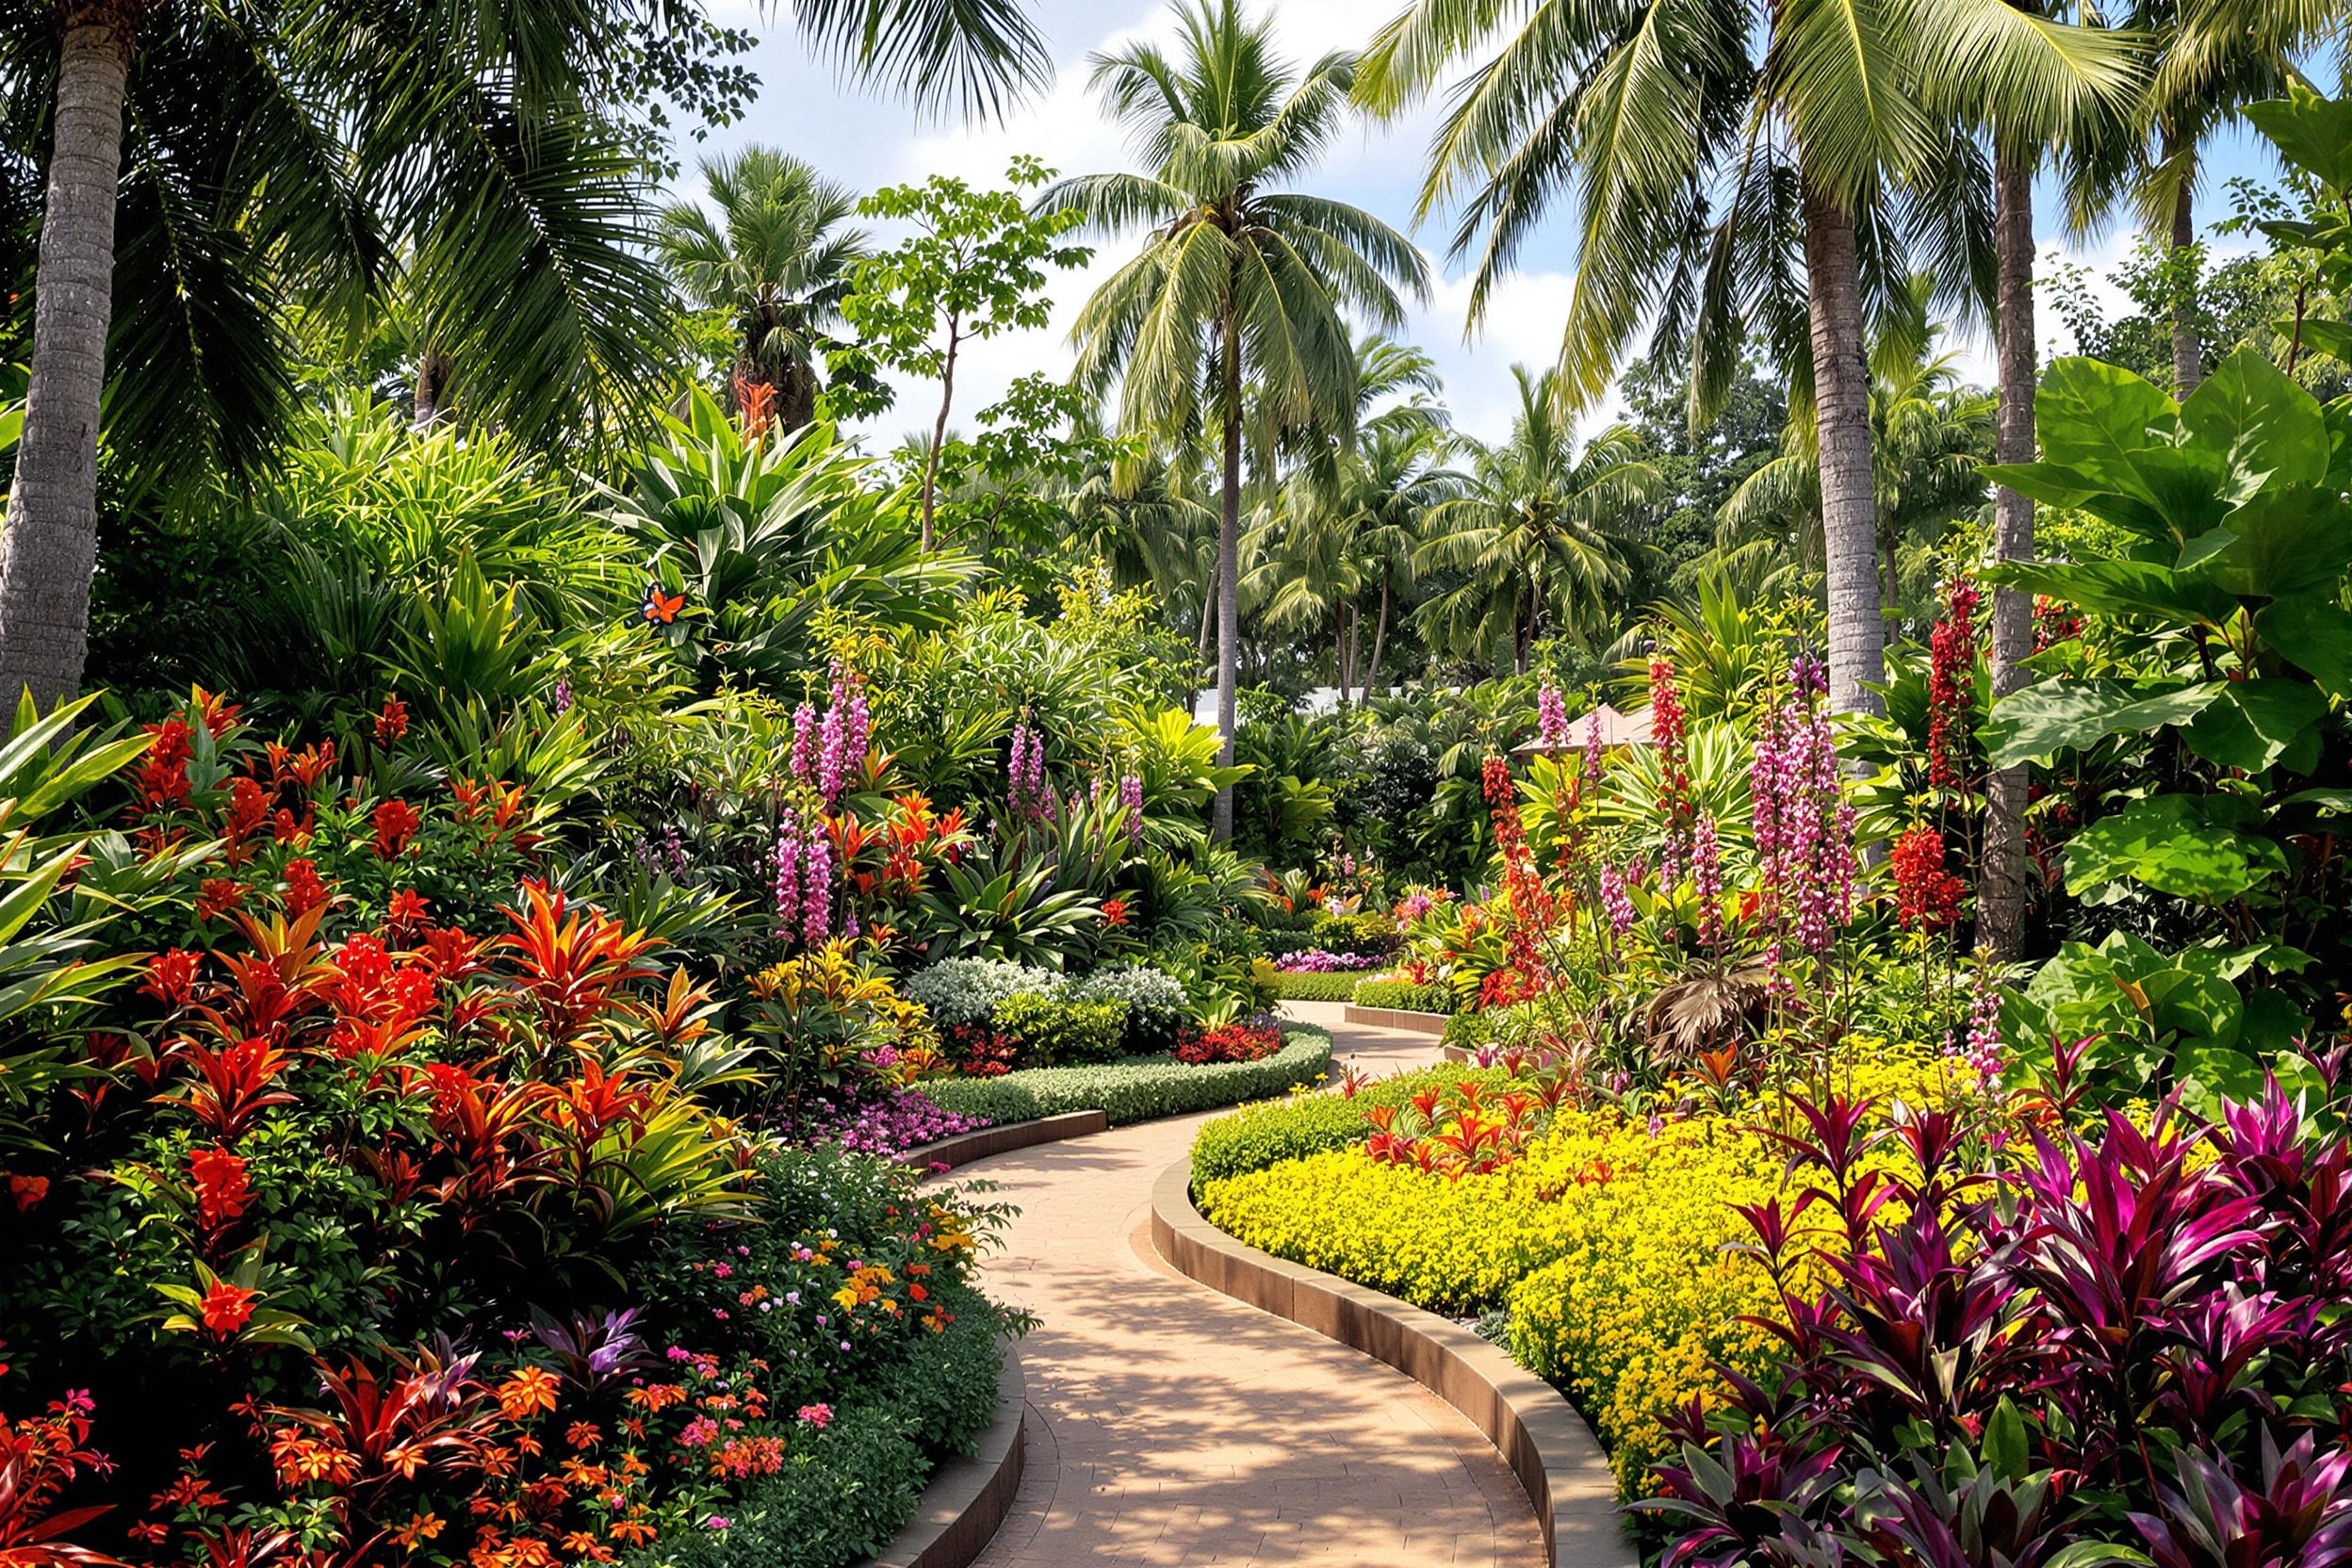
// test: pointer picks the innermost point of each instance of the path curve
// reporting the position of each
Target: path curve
(1169, 1425)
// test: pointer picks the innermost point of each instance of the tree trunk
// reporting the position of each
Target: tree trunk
(49, 544)
(1228, 579)
(938, 429)
(1841, 396)
(1355, 647)
(2000, 884)
(432, 385)
(1379, 637)
(796, 389)
(2188, 358)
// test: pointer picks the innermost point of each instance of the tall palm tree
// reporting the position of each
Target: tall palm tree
(1930, 436)
(775, 256)
(275, 156)
(1241, 285)
(1743, 169)
(2214, 56)
(1532, 542)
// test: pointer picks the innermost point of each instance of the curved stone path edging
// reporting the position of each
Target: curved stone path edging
(1003, 1138)
(1397, 1018)
(1169, 1425)
(967, 1498)
(1546, 1444)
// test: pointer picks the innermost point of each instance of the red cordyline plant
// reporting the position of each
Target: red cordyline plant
(1677, 809)
(40, 1457)
(2130, 1339)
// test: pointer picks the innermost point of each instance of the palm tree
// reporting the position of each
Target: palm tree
(1531, 540)
(1714, 147)
(1240, 283)
(280, 157)
(1930, 437)
(775, 257)
(2214, 56)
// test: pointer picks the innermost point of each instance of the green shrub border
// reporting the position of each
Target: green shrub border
(1335, 985)
(1405, 997)
(1139, 1089)
(1257, 1136)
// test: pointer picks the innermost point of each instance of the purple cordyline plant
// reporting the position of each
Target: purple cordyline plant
(1551, 718)
(2135, 1332)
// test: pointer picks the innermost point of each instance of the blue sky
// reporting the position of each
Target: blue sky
(867, 139)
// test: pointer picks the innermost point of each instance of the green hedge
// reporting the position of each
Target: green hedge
(1404, 996)
(1257, 1136)
(1318, 988)
(1138, 1089)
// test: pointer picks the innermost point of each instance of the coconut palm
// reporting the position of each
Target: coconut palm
(1930, 436)
(775, 256)
(212, 171)
(1743, 170)
(1240, 283)
(2214, 56)
(1531, 545)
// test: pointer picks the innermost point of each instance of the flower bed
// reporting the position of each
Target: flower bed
(1606, 1241)
(1140, 1088)
(888, 1123)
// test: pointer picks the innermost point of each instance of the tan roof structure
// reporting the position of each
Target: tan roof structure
(1617, 729)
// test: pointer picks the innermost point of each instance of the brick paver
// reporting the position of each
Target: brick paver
(1169, 1425)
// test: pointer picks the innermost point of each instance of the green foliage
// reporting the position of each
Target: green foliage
(1338, 987)
(1139, 1089)
(1405, 996)
(1056, 1031)
(967, 991)
(1157, 1007)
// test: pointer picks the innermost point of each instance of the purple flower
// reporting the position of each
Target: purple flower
(562, 700)
(1706, 874)
(1614, 900)
(816, 895)
(832, 742)
(788, 875)
(1131, 796)
(805, 742)
(1551, 718)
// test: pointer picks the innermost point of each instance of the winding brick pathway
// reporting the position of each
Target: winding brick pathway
(1169, 1425)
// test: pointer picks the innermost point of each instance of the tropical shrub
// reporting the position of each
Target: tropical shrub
(1157, 1007)
(1229, 1042)
(1054, 1031)
(1256, 1136)
(1368, 935)
(967, 991)
(1292, 987)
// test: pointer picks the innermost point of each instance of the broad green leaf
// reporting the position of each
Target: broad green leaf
(2257, 724)
(2272, 1022)
(2324, 799)
(2006, 1449)
(2095, 416)
(2032, 724)
(2268, 429)
(2288, 539)
(2310, 132)
(2314, 634)
(2320, 336)
(2165, 842)
(2123, 588)
(2190, 1006)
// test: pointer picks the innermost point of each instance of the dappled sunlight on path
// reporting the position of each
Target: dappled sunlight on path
(1169, 1425)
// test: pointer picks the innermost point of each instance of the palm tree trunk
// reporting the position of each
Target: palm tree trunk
(432, 383)
(2001, 885)
(1841, 396)
(938, 429)
(49, 544)
(2188, 359)
(1355, 647)
(1379, 637)
(1229, 578)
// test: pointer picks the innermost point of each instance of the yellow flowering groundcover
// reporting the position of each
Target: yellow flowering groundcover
(1612, 1243)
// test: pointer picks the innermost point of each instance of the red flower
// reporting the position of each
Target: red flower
(170, 976)
(405, 912)
(162, 776)
(393, 722)
(1951, 684)
(396, 823)
(1925, 894)
(222, 1191)
(1115, 911)
(27, 1191)
(217, 896)
(304, 892)
(227, 1308)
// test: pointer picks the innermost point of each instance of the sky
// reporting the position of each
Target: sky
(866, 138)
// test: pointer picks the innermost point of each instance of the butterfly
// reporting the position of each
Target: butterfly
(658, 608)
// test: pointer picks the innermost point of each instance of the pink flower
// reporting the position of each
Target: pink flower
(1551, 718)
(819, 1416)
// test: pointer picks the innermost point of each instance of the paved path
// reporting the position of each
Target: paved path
(1169, 1425)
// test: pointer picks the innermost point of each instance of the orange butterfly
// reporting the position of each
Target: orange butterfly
(658, 608)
